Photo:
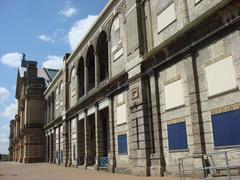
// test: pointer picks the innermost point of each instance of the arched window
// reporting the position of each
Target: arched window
(102, 52)
(116, 37)
(91, 67)
(81, 77)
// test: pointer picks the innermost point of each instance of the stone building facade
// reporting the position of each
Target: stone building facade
(27, 142)
(151, 81)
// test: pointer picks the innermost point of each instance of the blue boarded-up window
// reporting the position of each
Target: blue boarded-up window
(122, 144)
(226, 128)
(177, 136)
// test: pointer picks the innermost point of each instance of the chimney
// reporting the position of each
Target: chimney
(32, 70)
(66, 56)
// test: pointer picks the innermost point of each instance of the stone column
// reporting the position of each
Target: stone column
(86, 140)
(59, 146)
(97, 70)
(148, 22)
(139, 121)
(47, 147)
(86, 77)
(195, 110)
(97, 135)
(111, 153)
(70, 143)
(157, 157)
(54, 146)
(65, 142)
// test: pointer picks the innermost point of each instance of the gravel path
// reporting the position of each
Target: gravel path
(42, 171)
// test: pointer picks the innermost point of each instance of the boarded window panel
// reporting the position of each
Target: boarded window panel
(121, 114)
(177, 136)
(122, 144)
(220, 76)
(226, 128)
(120, 98)
(174, 94)
(74, 125)
(166, 17)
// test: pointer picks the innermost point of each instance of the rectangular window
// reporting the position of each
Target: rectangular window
(166, 17)
(177, 136)
(221, 76)
(122, 144)
(174, 94)
(226, 128)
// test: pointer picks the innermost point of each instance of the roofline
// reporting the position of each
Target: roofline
(53, 80)
(80, 43)
(45, 69)
(111, 2)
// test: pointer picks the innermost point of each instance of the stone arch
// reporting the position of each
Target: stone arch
(116, 34)
(90, 62)
(102, 54)
(81, 77)
(111, 21)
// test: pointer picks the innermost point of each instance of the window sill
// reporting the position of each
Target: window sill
(163, 29)
(122, 154)
(121, 124)
(226, 147)
(178, 150)
(223, 93)
(174, 108)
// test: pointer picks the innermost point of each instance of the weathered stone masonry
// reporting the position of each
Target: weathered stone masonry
(145, 87)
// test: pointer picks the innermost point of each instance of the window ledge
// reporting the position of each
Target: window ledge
(223, 93)
(161, 30)
(178, 150)
(121, 124)
(226, 147)
(174, 108)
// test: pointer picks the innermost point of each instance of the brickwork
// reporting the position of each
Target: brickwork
(156, 77)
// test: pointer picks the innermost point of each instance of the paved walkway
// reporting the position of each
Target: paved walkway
(42, 171)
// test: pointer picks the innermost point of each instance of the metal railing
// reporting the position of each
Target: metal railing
(103, 162)
(217, 165)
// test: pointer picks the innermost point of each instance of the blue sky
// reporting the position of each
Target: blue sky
(44, 30)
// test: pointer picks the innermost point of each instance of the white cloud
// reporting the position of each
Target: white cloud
(68, 12)
(53, 62)
(56, 36)
(79, 29)
(46, 38)
(3, 93)
(10, 111)
(12, 59)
